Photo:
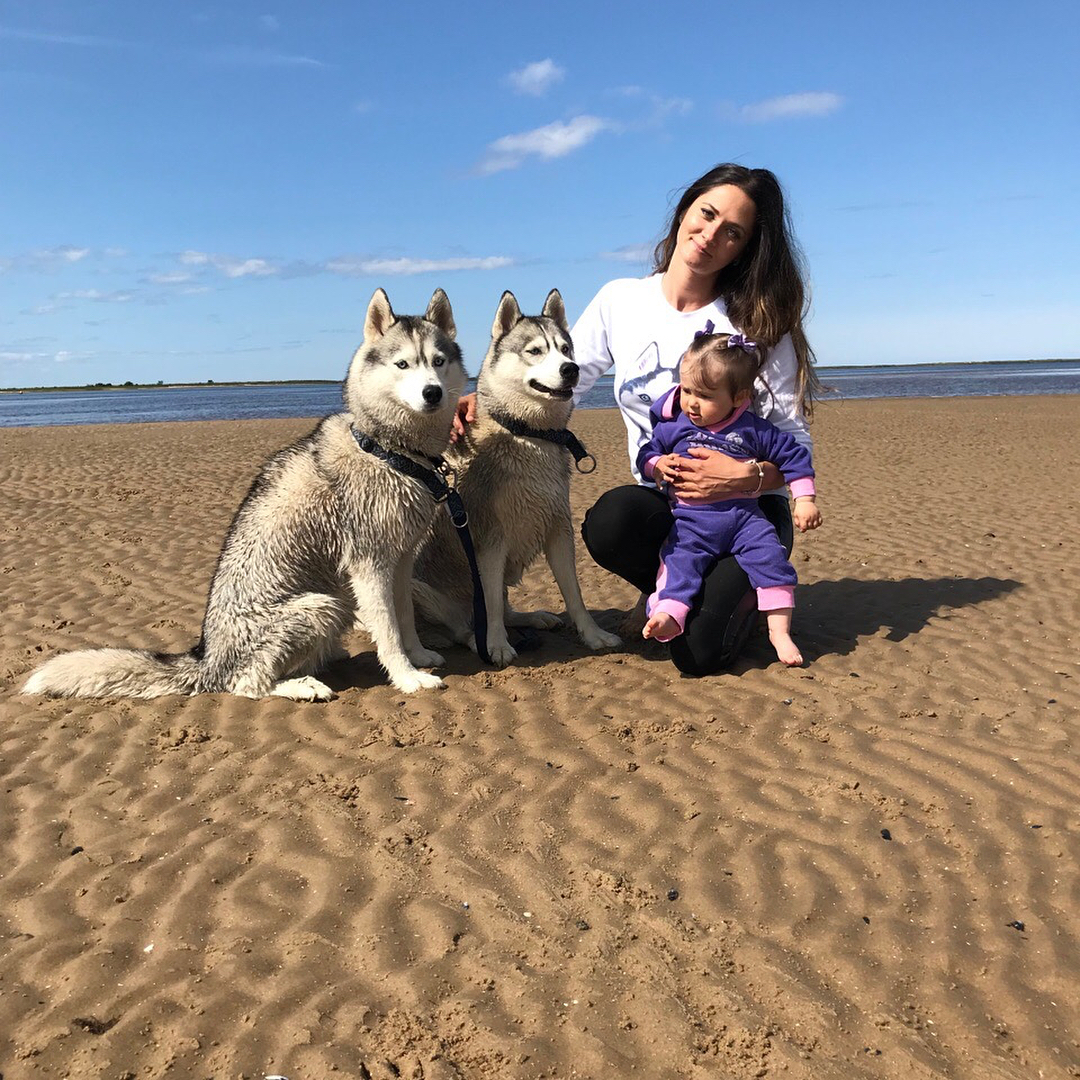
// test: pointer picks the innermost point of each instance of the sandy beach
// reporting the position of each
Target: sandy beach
(583, 865)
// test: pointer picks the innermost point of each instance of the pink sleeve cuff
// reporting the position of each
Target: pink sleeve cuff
(775, 597)
(803, 486)
(650, 465)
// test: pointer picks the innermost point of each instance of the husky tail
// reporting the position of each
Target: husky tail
(107, 673)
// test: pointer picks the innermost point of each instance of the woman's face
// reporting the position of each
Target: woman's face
(715, 229)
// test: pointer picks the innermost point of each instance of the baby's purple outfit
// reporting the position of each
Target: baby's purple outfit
(703, 532)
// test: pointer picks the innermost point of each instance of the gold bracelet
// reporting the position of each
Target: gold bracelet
(760, 477)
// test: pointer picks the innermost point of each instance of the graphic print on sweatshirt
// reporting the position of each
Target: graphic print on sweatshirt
(645, 381)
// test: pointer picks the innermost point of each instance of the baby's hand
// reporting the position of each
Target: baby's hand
(806, 515)
(666, 468)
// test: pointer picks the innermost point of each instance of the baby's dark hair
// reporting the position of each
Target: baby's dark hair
(726, 360)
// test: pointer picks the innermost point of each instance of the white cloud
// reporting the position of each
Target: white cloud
(238, 268)
(787, 107)
(261, 58)
(663, 107)
(230, 265)
(631, 253)
(349, 266)
(404, 266)
(45, 258)
(551, 141)
(44, 38)
(536, 79)
(176, 277)
(40, 359)
(653, 110)
(117, 296)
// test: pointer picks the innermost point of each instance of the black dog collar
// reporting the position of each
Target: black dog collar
(558, 436)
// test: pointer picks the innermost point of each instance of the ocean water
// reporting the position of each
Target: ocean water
(39, 408)
(953, 380)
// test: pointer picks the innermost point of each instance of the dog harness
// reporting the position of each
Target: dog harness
(440, 484)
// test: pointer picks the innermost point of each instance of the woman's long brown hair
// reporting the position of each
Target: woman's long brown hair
(764, 289)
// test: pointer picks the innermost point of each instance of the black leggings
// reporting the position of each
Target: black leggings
(624, 532)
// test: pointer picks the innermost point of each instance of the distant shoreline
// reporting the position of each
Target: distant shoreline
(173, 386)
(824, 368)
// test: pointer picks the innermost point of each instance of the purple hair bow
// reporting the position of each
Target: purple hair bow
(740, 341)
(707, 331)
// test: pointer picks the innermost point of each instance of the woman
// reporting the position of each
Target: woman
(728, 263)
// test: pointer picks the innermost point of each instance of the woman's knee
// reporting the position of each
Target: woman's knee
(719, 624)
(622, 518)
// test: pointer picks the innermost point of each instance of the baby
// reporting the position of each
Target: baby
(710, 408)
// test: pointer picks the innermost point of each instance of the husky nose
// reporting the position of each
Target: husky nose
(432, 394)
(569, 373)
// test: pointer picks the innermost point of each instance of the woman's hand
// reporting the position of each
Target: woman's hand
(465, 415)
(708, 475)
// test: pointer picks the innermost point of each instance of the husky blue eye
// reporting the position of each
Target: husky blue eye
(402, 364)
(438, 362)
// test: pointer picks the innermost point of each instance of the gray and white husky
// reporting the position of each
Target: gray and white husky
(516, 488)
(326, 535)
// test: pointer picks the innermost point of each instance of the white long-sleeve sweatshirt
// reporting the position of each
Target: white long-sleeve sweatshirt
(630, 326)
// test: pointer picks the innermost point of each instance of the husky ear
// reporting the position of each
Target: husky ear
(380, 317)
(554, 309)
(439, 313)
(507, 316)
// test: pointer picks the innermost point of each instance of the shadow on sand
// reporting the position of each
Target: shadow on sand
(833, 615)
(830, 619)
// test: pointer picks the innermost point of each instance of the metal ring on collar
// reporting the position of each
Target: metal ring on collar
(587, 458)
(448, 473)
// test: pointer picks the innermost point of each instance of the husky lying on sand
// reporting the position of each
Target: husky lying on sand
(326, 535)
(516, 487)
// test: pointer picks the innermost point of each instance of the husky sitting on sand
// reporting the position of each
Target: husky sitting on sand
(326, 535)
(515, 486)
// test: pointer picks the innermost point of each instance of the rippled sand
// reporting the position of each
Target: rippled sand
(582, 866)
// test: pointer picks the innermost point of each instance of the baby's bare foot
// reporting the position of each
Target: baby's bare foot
(661, 626)
(786, 649)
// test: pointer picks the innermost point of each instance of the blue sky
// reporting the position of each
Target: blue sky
(196, 191)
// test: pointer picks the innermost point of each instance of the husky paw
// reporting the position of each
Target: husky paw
(502, 655)
(535, 620)
(410, 682)
(596, 638)
(425, 658)
(501, 652)
(305, 688)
